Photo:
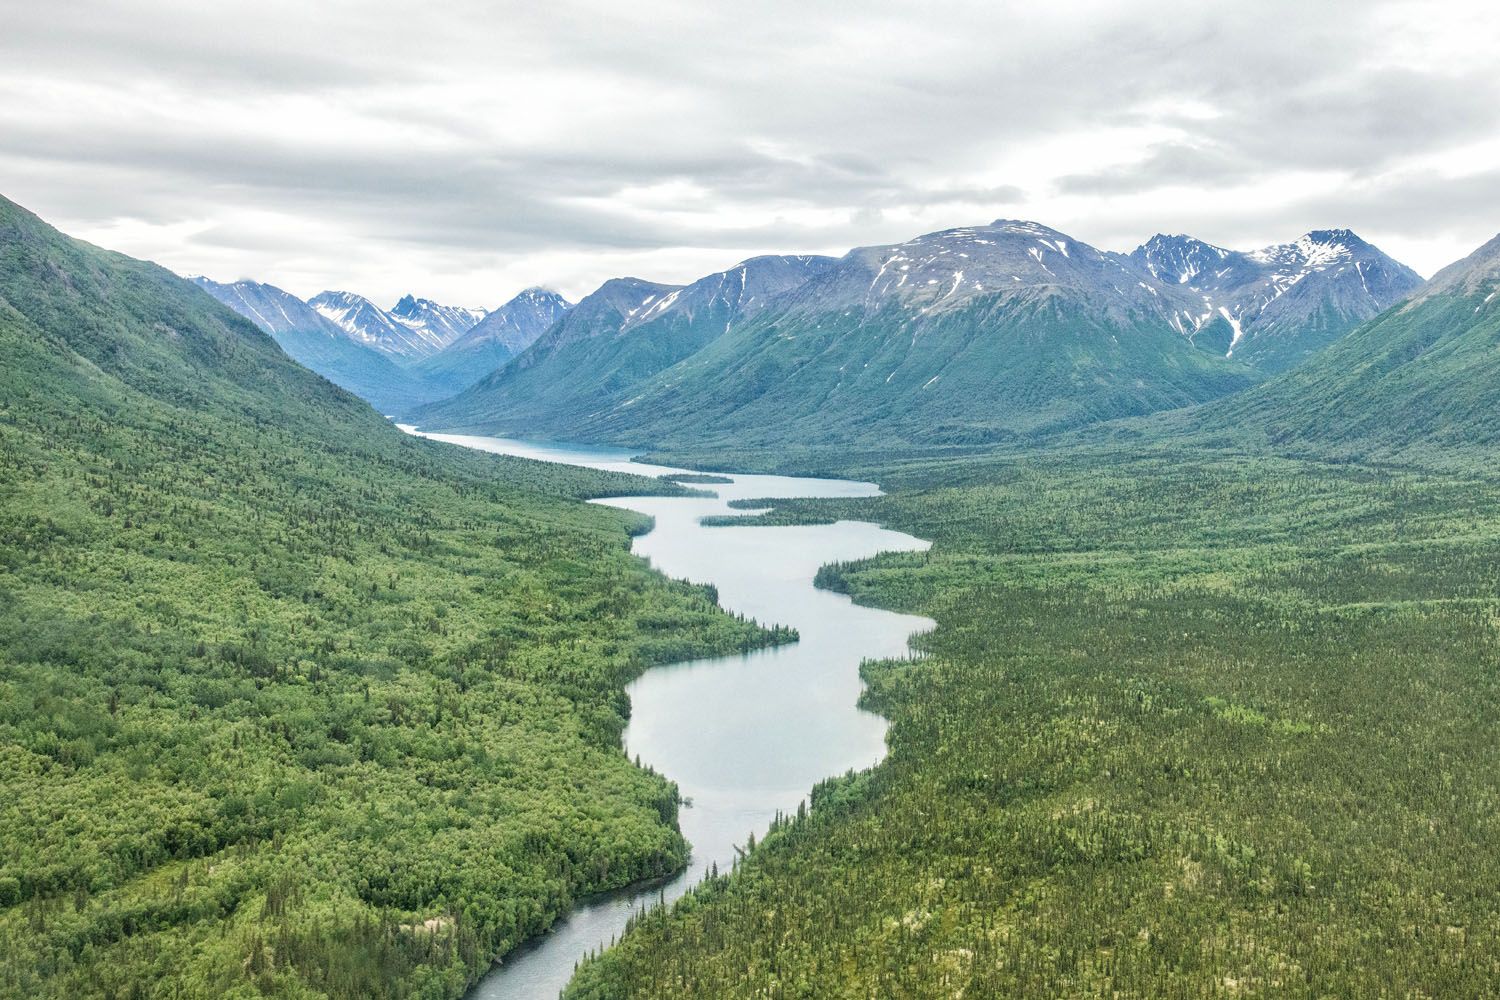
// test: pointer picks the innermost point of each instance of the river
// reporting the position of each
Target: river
(744, 736)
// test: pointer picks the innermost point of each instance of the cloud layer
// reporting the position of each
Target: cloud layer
(464, 150)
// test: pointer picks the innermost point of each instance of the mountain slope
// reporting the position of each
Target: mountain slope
(494, 340)
(1277, 306)
(1423, 376)
(413, 330)
(972, 335)
(314, 341)
(613, 341)
(292, 704)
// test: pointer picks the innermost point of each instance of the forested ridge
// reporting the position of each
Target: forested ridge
(1191, 725)
(292, 704)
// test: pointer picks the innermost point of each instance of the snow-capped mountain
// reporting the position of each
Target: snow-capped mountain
(1277, 305)
(735, 294)
(517, 323)
(968, 335)
(313, 340)
(496, 339)
(414, 329)
(1419, 380)
(442, 324)
(1007, 259)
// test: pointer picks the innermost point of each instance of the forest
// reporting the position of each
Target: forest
(1191, 725)
(292, 704)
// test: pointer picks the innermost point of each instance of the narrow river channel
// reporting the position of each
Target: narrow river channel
(747, 735)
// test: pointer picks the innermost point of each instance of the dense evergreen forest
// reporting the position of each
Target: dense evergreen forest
(1191, 725)
(292, 704)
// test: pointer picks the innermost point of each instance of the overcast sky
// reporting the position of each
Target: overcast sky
(463, 150)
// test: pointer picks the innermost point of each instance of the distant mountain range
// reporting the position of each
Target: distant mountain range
(1276, 306)
(312, 340)
(1418, 379)
(417, 352)
(971, 335)
(494, 340)
(414, 329)
(979, 335)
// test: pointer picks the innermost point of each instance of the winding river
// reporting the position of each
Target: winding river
(744, 736)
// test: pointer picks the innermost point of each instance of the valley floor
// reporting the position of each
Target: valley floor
(1191, 725)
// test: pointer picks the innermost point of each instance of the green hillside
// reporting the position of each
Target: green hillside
(1002, 369)
(974, 336)
(292, 704)
(612, 344)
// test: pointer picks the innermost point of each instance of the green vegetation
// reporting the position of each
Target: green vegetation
(1190, 725)
(292, 704)
(610, 345)
(994, 373)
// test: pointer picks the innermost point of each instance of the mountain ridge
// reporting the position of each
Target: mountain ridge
(494, 340)
(625, 332)
(1280, 304)
(312, 340)
(975, 306)
(414, 329)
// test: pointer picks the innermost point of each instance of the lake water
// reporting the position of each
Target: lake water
(747, 735)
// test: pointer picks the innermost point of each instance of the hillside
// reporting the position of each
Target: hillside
(613, 342)
(310, 339)
(292, 704)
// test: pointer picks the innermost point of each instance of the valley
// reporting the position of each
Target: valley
(744, 737)
(297, 704)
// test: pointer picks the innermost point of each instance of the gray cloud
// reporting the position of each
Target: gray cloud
(467, 149)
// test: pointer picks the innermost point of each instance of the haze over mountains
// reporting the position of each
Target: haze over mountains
(992, 334)
(971, 335)
(417, 352)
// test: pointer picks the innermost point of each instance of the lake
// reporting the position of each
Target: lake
(744, 736)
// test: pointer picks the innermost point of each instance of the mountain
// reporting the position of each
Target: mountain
(496, 339)
(970, 335)
(413, 330)
(311, 339)
(439, 323)
(1421, 378)
(1277, 306)
(627, 331)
